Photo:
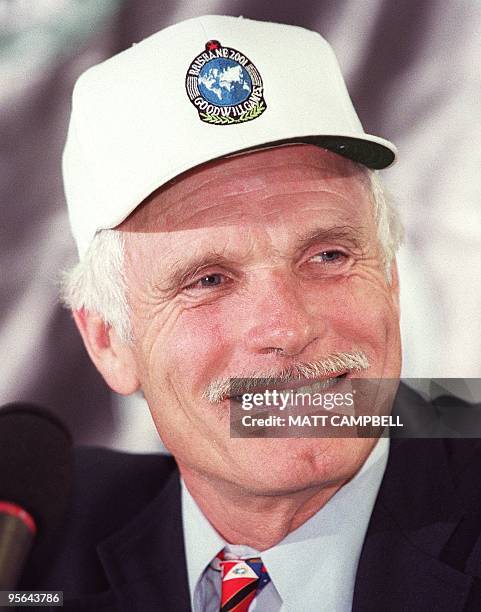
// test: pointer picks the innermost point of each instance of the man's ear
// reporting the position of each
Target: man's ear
(113, 358)
(395, 286)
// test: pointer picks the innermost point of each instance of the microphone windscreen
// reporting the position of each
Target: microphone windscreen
(36, 466)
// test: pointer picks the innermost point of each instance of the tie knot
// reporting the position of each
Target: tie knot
(242, 579)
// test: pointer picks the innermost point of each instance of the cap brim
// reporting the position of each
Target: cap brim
(373, 153)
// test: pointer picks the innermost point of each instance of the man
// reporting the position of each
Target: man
(230, 228)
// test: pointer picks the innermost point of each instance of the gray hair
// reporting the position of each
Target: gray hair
(97, 283)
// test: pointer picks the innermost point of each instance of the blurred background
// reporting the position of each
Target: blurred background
(413, 71)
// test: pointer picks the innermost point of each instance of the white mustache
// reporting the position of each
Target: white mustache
(223, 388)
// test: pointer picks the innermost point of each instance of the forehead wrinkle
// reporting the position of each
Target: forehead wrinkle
(326, 165)
(247, 216)
(253, 174)
(315, 189)
(344, 194)
(236, 185)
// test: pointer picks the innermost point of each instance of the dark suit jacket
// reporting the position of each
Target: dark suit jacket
(122, 547)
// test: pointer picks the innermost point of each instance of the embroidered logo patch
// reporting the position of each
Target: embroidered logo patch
(224, 86)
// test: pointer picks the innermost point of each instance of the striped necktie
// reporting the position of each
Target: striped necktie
(242, 579)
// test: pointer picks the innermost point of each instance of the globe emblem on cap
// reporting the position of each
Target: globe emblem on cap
(224, 86)
(224, 82)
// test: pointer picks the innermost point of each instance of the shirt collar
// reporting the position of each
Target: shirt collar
(202, 541)
(326, 548)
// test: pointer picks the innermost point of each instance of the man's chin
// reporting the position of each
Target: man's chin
(283, 466)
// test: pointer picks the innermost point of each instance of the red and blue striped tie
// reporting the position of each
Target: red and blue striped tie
(242, 579)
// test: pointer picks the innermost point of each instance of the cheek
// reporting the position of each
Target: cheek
(360, 309)
(198, 347)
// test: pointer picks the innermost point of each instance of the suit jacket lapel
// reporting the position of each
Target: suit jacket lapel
(145, 561)
(414, 516)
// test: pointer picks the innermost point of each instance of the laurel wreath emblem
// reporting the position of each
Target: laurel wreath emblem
(253, 113)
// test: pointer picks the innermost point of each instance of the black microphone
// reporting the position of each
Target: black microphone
(35, 476)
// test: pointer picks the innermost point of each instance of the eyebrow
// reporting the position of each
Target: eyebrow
(352, 236)
(183, 271)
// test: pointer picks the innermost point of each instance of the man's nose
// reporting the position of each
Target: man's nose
(282, 320)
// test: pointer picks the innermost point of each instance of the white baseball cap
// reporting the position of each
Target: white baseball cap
(202, 89)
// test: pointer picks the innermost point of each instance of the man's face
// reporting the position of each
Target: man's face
(251, 265)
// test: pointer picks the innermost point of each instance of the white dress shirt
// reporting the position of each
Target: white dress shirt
(313, 569)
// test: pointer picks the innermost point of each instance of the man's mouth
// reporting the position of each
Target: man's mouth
(299, 386)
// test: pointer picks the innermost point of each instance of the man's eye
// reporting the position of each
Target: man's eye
(209, 280)
(329, 257)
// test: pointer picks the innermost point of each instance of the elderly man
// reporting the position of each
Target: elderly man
(231, 225)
